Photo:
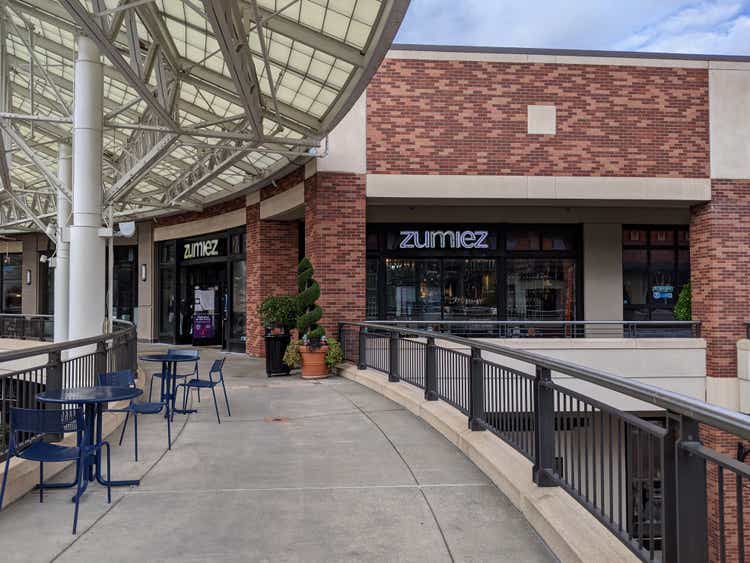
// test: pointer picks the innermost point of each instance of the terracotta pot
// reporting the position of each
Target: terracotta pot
(314, 362)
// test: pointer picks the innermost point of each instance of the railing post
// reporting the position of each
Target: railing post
(53, 382)
(544, 429)
(685, 515)
(100, 359)
(476, 390)
(362, 363)
(393, 350)
(430, 371)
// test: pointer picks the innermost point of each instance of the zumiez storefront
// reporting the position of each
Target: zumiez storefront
(201, 290)
(470, 272)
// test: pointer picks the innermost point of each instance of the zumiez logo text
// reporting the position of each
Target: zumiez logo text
(443, 239)
(201, 249)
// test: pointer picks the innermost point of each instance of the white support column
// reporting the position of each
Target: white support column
(87, 262)
(62, 254)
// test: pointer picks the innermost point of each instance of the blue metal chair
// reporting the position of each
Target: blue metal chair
(125, 378)
(178, 352)
(215, 377)
(56, 421)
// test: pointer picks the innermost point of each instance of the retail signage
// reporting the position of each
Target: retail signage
(208, 248)
(204, 313)
(662, 291)
(468, 239)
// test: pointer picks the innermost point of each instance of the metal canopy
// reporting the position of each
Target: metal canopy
(204, 99)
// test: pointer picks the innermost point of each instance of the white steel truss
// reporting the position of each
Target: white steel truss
(203, 99)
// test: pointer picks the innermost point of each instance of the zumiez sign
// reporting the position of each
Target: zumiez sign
(443, 239)
(201, 249)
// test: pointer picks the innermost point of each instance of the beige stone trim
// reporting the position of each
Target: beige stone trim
(252, 199)
(222, 222)
(11, 246)
(723, 392)
(548, 59)
(548, 188)
(569, 530)
(283, 204)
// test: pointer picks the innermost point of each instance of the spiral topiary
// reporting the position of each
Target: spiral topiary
(310, 313)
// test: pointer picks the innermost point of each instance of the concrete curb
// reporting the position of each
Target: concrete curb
(570, 531)
(23, 475)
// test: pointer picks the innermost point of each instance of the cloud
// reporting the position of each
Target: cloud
(713, 26)
(708, 27)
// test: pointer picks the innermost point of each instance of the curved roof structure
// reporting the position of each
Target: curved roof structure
(203, 99)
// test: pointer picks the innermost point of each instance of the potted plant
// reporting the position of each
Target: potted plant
(683, 308)
(313, 346)
(278, 315)
(333, 357)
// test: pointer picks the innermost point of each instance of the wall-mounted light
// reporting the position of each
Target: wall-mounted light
(28, 277)
(143, 272)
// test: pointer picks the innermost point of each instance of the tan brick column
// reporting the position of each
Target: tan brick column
(272, 255)
(720, 281)
(335, 225)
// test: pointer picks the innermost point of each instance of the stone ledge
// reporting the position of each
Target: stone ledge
(23, 475)
(570, 531)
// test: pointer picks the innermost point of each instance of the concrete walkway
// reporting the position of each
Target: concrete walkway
(302, 471)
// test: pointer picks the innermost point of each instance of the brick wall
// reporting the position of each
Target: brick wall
(468, 117)
(210, 211)
(719, 265)
(272, 253)
(335, 220)
(285, 183)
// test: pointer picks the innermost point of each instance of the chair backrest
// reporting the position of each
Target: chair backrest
(123, 378)
(37, 421)
(216, 367)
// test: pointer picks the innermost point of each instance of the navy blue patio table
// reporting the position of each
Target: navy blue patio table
(169, 376)
(92, 400)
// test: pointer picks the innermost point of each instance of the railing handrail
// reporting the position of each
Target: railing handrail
(62, 346)
(713, 415)
(27, 315)
(550, 323)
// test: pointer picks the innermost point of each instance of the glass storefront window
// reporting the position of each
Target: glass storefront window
(239, 312)
(654, 272)
(167, 292)
(412, 289)
(541, 289)
(12, 283)
(371, 291)
(522, 241)
(469, 289)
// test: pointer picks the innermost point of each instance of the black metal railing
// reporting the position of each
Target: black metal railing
(647, 478)
(26, 327)
(557, 329)
(59, 366)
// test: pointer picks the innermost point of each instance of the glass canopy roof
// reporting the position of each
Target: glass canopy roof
(203, 100)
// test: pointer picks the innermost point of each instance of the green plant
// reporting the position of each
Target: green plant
(309, 312)
(278, 311)
(683, 310)
(292, 356)
(335, 354)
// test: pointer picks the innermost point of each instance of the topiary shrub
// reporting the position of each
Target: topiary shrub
(309, 312)
(683, 310)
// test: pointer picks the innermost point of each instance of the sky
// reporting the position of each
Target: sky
(717, 27)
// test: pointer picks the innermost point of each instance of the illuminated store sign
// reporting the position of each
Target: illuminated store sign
(444, 239)
(203, 249)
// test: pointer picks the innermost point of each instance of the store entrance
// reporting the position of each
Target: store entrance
(202, 299)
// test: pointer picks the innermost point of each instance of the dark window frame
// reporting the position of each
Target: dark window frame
(651, 306)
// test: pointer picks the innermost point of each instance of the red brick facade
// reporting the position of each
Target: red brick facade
(272, 255)
(719, 264)
(335, 223)
(469, 117)
(210, 211)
